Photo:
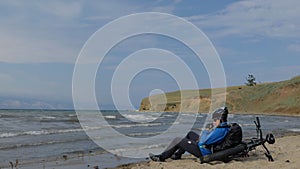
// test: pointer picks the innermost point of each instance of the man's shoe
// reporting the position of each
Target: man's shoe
(155, 157)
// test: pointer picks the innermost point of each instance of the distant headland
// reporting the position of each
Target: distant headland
(276, 98)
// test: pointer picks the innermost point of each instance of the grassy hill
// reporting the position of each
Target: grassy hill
(272, 98)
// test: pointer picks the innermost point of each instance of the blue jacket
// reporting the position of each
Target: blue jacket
(213, 137)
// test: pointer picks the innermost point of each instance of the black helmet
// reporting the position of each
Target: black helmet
(220, 114)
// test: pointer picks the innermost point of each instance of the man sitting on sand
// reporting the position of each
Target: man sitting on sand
(191, 142)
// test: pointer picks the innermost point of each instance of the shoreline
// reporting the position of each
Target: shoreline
(148, 111)
(237, 113)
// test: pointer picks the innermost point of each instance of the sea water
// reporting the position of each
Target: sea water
(29, 135)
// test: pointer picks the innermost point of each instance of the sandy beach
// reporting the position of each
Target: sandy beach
(286, 153)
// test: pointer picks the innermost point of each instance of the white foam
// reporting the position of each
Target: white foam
(230, 115)
(144, 134)
(39, 132)
(142, 149)
(294, 130)
(136, 125)
(4, 135)
(168, 115)
(110, 117)
(48, 117)
(140, 117)
(250, 124)
(189, 114)
(72, 115)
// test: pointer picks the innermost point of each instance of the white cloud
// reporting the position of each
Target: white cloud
(11, 103)
(164, 9)
(30, 104)
(35, 31)
(21, 48)
(271, 18)
(26, 83)
(57, 8)
(252, 61)
(109, 10)
(61, 9)
(98, 18)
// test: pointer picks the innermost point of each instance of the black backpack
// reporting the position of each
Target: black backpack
(232, 139)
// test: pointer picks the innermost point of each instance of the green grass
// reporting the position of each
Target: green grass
(280, 97)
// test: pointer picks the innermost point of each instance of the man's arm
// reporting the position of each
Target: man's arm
(217, 135)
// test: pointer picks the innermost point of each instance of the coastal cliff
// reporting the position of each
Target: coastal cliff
(273, 98)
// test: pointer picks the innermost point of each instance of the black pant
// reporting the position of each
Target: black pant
(179, 145)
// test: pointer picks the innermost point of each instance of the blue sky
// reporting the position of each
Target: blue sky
(40, 42)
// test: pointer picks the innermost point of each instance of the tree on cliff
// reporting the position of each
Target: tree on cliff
(250, 80)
